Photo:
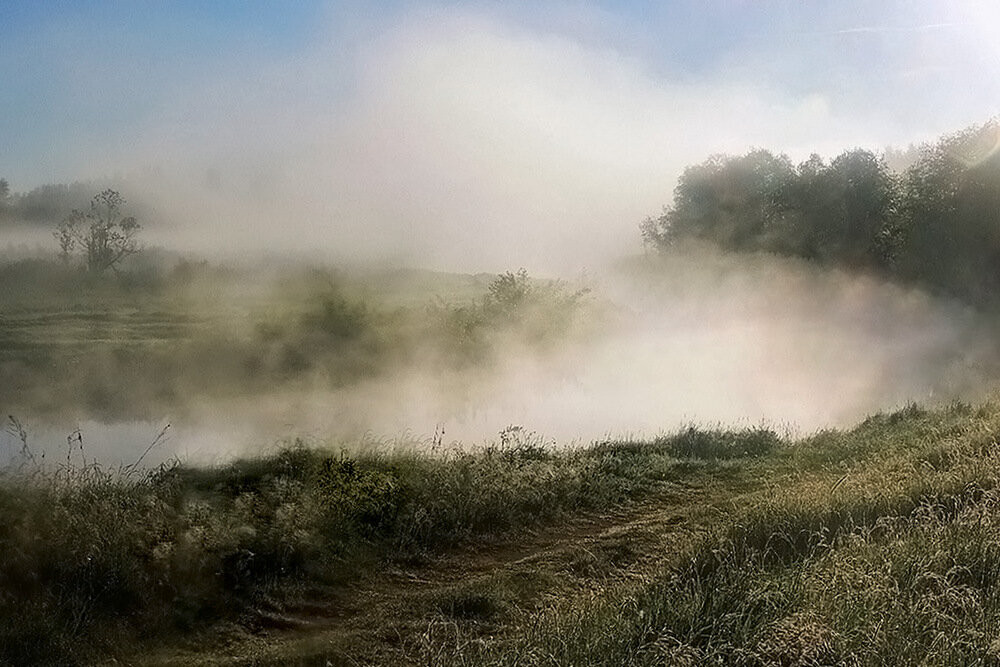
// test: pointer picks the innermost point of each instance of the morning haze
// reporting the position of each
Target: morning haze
(455, 333)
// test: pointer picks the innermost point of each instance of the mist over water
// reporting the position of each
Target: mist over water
(463, 139)
(696, 337)
(701, 338)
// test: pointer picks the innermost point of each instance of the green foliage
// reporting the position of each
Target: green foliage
(509, 291)
(371, 498)
(842, 212)
(937, 223)
(88, 556)
(337, 318)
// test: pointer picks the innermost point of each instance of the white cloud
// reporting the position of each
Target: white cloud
(471, 142)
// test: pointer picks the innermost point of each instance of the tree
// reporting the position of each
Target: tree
(843, 212)
(865, 220)
(735, 202)
(937, 223)
(950, 215)
(103, 235)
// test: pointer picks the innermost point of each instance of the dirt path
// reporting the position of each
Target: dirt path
(400, 614)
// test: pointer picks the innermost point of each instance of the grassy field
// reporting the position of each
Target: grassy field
(877, 545)
(725, 547)
(91, 555)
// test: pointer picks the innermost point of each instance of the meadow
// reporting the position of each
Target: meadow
(733, 545)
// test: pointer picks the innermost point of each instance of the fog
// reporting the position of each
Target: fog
(458, 140)
(463, 141)
(694, 338)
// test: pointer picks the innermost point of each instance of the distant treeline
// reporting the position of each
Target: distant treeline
(935, 222)
(44, 204)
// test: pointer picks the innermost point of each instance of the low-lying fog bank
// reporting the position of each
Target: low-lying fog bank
(694, 337)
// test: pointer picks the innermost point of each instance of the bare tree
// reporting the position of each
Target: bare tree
(103, 235)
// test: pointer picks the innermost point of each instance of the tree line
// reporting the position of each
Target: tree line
(44, 204)
(935, 222)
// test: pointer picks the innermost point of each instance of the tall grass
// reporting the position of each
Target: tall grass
(90, 558)
(881, 546)
(840, 535)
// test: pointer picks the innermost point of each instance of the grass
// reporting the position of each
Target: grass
(839, 537)
(879, 545)
(90, 557)
(719, 444)
(834, 542)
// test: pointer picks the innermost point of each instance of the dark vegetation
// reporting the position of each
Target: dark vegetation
(104, 235)
(934, 223)
(535, 315)
(717, 444)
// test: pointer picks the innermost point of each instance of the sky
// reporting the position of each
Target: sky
(465, 133)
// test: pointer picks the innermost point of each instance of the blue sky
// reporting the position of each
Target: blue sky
(397, 123)
(92, 76)
(78, 74)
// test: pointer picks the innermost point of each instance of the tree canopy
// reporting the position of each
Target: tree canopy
(937, 222)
